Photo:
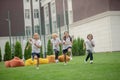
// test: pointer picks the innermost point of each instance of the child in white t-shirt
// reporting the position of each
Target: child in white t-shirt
(36, 44)
(67, 45)
(55, 43)
(89, 47)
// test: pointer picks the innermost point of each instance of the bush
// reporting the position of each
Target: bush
(60, 53)
(18, 50)
(41, 52)
(75, 48)
(78, 47)
(82, 49)
(49, 48)
(7, 55)
(0, 55)
(27, 52)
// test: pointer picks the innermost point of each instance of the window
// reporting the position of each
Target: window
(53, 7)
(36, 0)
(27, 0)
(46, 11)
(37, 29)
(36, 13)
(54, 26)
(47, 29)
(27, 13)
(28, 31)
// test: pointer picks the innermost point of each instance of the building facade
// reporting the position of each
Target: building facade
(79, 17)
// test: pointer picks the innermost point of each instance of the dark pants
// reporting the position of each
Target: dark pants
(56, 54)
(90, 55)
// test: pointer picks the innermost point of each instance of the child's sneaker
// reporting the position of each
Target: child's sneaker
(91, 62)
(70, 58)
(37, 67)
(56, 61)
(65, 63)
(85, 61)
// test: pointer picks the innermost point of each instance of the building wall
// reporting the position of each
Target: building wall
(114, 5)
(15, 7)
(104, 27)
(115, 30)
(84, 8)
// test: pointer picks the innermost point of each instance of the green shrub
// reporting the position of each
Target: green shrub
(60, 49)
(18, 50)
(78, 48)
(0, 55)
(75, 48)
(41, 52)
(81, 48)
(49, 48)
(7, 55)
(27, 52)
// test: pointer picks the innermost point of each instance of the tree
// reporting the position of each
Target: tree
(41, 52)
(0, 55)
(27, 52)
(75, 48)
(7, 55)
(49, 48)
(60, 49)
(18, 50)
(81, 48)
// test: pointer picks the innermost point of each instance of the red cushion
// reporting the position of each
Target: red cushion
(16, 63)
(7, 63)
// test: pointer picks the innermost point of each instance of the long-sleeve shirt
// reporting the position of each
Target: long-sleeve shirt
(89, 45)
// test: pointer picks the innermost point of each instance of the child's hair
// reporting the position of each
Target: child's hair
(66, 32)
(54, 34)
(90, 35)
(64, 37)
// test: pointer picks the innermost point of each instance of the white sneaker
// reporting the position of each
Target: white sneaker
(91, 61)
(37, 67)
(65, 63)
(70, 58)
(85, 61)
(57, 61)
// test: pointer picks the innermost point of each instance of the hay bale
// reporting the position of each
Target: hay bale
(61, 58)
(16, 62)
(7, 63)
(30, 62)
(51, 58)
(44, 61)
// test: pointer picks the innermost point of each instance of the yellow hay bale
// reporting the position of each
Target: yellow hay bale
(51, 58)
(61, 58)
(43, 61)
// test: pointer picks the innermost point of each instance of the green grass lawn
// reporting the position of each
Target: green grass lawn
(106, 66)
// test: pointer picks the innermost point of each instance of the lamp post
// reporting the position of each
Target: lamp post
(64, 13)
(9, 26)
(66, 20)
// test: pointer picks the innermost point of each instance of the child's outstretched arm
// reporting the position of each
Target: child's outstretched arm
(29, 43)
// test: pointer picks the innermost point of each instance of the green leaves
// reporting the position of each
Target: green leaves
(7, 55)
(78, 47)
(49, 48)
(18, 50)
(27, 52)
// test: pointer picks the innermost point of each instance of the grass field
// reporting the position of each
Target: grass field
(106, 66)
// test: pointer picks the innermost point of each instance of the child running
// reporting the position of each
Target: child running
(89, 48)
(67, 45)
(55, 43)
(36, 44)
